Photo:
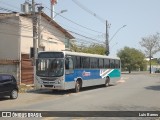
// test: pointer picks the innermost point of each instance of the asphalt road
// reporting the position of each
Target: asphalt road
(134, 92)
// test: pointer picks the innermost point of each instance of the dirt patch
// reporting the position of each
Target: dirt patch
(23, 88)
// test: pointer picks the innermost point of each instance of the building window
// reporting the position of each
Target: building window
(66, 42)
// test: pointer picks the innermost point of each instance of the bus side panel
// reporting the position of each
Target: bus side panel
(91, 77)
(69, 82)
(115, 75)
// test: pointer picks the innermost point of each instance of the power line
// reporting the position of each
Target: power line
(70, 27)
(9, 5)
(4, 9)
(59, 15)
(77, 40)
(76, 23)
(7, 10)
(83, 36)
(73, 21)
(29, 27)
(89, 11)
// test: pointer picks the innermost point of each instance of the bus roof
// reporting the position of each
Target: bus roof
(82, 54)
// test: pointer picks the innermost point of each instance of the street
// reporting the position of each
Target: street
(134, 92)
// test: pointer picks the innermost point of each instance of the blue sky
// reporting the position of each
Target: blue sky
(140, 16)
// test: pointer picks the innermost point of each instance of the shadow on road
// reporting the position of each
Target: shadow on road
(156, 87)
(4, 98)
(49, 92)
(63, 92)
(91, 88)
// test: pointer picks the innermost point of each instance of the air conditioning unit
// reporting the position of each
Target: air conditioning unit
(26, 7)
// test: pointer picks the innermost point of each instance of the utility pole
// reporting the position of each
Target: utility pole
(39, 25)
(107, 39)
(150, 64)
(51, 10)
(34, 22)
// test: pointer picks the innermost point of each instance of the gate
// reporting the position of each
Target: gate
(26, 70)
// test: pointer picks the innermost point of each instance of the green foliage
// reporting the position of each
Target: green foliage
(93, 49)
(74, 47)
(154, 61)
(132, 59)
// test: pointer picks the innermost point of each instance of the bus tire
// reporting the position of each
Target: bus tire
(77, 86)
(107, 81)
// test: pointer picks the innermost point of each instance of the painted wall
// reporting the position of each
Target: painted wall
(9, 38)
(51, 38)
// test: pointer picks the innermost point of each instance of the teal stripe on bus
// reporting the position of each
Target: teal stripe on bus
(115, 73)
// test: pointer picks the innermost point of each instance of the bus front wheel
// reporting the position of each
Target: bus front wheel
(77, 87)
(107, 82)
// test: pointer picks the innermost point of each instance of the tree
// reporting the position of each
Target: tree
(151, 45)
(74, 47)
(94, 49)
(131, 59)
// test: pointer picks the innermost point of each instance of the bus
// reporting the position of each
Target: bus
(63, 70)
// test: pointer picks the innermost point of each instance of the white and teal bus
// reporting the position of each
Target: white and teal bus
(72, 70)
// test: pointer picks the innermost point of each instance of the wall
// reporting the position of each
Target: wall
(26, 35)
(52, 39)
(9, 38)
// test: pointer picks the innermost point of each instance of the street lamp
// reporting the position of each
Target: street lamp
(117, 32)
(62, 11)
(109, 40)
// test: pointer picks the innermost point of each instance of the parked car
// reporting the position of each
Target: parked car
(8, 86)
(157, 71)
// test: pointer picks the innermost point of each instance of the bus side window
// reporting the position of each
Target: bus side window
(112, 63)
(117, 63)
(69, 64)
(101, 63)
(106, 63)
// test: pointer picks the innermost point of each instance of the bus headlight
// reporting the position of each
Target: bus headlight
(57, 81)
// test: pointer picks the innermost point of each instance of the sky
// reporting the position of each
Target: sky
(140, 17)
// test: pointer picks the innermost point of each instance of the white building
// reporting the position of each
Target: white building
(16, 42)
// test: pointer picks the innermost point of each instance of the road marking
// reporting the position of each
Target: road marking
(78, 119)
(121, 81)
(50, 118)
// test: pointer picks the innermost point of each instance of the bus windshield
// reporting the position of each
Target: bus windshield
(51, 67)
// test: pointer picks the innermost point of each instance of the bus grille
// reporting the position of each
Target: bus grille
(48, 85)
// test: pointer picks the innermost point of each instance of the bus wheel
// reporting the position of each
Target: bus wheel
(77, 86)
(107, 82)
